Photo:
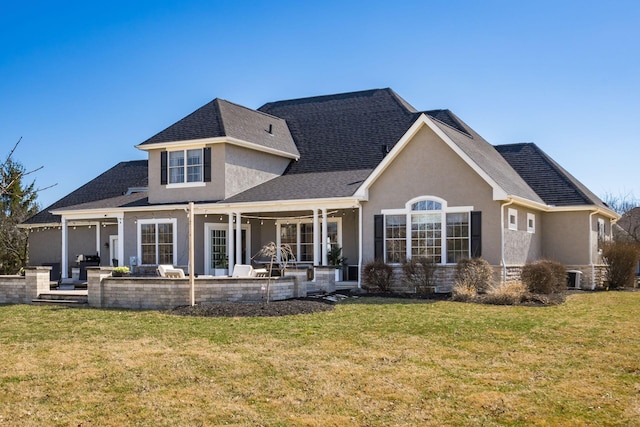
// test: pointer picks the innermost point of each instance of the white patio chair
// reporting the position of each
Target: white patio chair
(169, 271)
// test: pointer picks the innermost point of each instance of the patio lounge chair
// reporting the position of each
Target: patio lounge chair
(242, 270)
(169, 271)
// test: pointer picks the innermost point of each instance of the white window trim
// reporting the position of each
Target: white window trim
(531, 223)
(512, 213)
(185, 184)
(157, 221)
(445, 209)
(279, 223)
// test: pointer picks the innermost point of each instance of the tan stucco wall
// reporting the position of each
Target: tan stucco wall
(233, 170)
(45, 246)
(247, 168)
(433, 169)
(566, 237)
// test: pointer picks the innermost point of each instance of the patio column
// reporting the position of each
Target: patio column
(64, 261)
(121, 260)
(230, 243)
(325, 235)
(316, 238)
(98, 248)
(239, 238)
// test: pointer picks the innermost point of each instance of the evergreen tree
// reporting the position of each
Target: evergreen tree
(17, 203)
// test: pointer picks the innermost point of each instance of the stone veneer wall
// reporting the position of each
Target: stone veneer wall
(24, 289)
(160, 293)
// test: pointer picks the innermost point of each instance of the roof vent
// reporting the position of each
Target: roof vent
(270, 131)
(385, 149)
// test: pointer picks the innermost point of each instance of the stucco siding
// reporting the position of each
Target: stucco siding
(565, 237)
(45, 246)
(433, 169)
(245, 168)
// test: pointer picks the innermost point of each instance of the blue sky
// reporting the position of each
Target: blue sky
(84, 82)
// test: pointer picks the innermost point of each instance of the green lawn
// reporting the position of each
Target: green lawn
(371, 362)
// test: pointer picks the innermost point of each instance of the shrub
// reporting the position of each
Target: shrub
(377, 275)
(464, 292)
(621, 259)
(544, 277)
(420, 272)
(509, 293)
(474, 272)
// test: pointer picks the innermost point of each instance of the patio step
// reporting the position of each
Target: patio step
(71, 299)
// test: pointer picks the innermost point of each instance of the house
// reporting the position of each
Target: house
(364, 170)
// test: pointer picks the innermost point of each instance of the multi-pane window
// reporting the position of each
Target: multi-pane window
(457, 236)
(299, 236)
(396, 234)
(157, 242)
(427, 228)
(181, 171)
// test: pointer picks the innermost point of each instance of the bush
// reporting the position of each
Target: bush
(621, 259)
(419, 272)
(463, 292)
(509, 293)
(544, 277)
(377, 275)
(474, 272)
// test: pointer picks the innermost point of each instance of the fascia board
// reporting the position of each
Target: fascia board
(573, 208)
(199, 143)
(279, 205)
(423, 120)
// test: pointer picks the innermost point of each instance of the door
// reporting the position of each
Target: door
(217, 248)
(113, 251)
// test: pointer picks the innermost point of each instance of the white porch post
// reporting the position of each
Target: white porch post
(325, 235)
(230, 243)
(98, 249)
(316, 238)
(121, 260)
(64, 259)
(239, 238)
(359, 245)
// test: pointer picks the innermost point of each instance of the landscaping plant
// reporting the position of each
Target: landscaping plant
(475, 272)
(420, 273)
(621, 259)
(377, 275)
(544, 277)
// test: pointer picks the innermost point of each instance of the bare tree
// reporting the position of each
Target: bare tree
(622, 202)
(8, 181)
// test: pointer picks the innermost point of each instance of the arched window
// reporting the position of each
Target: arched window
(429, 228)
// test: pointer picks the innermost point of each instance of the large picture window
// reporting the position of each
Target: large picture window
(427, 228)
(157, 241)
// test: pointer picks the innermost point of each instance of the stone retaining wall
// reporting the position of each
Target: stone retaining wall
(160, 293)
(24, 289)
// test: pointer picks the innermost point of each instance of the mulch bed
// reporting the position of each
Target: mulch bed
(261, 309)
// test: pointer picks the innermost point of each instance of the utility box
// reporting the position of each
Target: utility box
(573, 278)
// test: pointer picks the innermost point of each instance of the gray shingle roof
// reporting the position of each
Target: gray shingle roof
(548, 179)
(488, 159)
(345, 131)
(112, 183)
(220, 118)
(312, 185)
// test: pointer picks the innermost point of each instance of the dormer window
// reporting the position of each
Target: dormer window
(185, 167)
(185, 171)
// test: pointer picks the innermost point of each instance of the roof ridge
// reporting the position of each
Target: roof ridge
(219, 115)
(250, 109)
(317, 98)
(454, 118)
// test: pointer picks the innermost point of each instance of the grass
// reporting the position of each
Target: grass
(373, 362)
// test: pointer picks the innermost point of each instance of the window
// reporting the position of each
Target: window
(181, 171)
(531, 223)
(513, 219)
(602, 232)
(299, 236)
(427, 228)
(157, 241)
(396, 243)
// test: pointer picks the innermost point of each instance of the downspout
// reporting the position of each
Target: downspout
(502, 260)
(591, 264)
(359, 245)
